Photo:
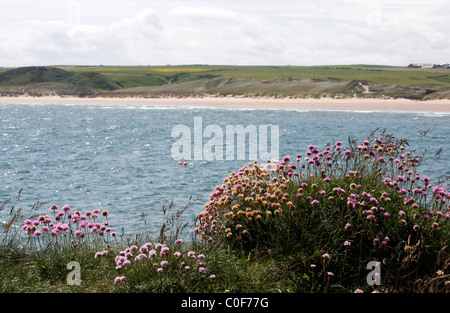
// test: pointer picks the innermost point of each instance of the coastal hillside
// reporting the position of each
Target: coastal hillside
(40, 80)
(363, 81)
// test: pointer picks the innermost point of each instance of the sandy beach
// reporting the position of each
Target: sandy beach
(352, 104)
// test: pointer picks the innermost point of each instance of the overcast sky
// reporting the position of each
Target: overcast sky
(237, 32)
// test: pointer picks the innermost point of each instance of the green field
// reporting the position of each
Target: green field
(145, 75)
(278, 81)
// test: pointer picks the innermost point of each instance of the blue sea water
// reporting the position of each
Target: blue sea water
(119, 158)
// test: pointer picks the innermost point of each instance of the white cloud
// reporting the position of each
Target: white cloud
(60, 42)
(224, 32)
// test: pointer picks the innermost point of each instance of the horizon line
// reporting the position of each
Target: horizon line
(204, 64)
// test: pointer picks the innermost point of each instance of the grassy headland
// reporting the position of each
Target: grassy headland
(364, 81)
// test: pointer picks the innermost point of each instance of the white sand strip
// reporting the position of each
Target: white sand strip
(353, 104)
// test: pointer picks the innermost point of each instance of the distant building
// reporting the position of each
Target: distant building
(424, 65)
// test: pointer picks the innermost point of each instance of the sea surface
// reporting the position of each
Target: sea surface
(119, 158)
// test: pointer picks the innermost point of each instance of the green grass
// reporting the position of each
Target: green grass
(40, 273)
(28, 265)
(32, 75)
(376, 74)
(379, 75)
(140, 75)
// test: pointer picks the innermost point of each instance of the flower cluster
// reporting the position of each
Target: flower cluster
(159, 259)
(63, 223)
(337, 194)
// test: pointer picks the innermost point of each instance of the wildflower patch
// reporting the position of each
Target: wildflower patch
(364, 203)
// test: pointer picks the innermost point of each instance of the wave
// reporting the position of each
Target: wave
(197, 107)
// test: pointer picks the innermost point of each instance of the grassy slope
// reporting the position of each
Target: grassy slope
(376, 74)
(293, 81)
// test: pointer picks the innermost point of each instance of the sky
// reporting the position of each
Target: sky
(223, 32)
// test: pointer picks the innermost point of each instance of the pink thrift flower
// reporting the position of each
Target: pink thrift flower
(164, 251)
(120, 278)
(326, 256)
(201, 257)
(152, 254)
(126, 263)
(140, 257)
(191, 254)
